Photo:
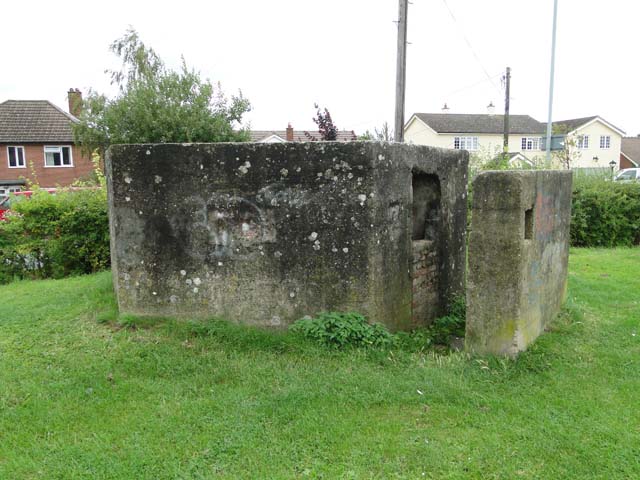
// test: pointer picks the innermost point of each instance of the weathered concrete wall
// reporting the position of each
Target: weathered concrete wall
(264, 234)
(518, 254)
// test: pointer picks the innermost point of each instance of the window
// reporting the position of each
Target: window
(530, 143)
(465, 143)
(582, 142)
(5, 191)
(627, 175)
(57, 157)
(16, 157)
(605, 141)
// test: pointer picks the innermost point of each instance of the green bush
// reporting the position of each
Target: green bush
(605, 213)
(52, 236)
(340, 330)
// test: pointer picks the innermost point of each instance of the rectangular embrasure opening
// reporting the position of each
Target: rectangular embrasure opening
(528, 224)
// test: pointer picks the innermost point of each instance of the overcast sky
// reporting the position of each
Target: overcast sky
(287, 54)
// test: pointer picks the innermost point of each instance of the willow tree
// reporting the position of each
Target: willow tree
(155, 104)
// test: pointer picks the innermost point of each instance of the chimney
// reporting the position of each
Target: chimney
(491, 108)
(445, 108)
(75, 102)
(289, 133)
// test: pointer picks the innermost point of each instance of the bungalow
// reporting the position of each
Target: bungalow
(36, 145)
(291, 135)
(594, 141)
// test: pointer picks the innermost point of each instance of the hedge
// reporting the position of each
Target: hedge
(605, 213)
(52, 236)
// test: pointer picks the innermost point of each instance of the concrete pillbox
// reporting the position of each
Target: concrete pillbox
(264, 234)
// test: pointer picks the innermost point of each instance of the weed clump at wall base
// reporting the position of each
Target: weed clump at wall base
(452, 324)
(52, 236)
(340, 330)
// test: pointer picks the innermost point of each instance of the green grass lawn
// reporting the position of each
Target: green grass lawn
(82, 397)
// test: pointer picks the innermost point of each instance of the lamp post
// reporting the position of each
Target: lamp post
(612, 164)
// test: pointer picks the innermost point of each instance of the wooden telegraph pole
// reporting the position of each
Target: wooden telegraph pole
(505, 141)
(401, 71)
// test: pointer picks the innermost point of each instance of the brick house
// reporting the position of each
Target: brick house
(36, 143)
(630, 152)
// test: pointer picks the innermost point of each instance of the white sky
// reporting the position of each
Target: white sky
(287, 54)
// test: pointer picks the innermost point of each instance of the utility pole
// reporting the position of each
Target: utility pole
(505, 141)
(553, 64)
(401, 70)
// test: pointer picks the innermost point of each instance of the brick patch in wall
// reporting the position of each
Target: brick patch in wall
(424, 276)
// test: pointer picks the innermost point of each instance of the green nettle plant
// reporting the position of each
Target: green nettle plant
(157, 105)
(340, 330)
(452, 324)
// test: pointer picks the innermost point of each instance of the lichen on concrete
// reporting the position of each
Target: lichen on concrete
(518, 257)
(264, 234)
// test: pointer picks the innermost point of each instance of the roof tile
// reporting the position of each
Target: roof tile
(301, 135)
(480, 123)
(631, 148)
(34, 121)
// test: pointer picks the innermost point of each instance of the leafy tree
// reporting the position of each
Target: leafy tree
(157, 105)
(366, 136)
(328, 131)
(385, 134)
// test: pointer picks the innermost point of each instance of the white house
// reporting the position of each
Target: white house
(594, 142)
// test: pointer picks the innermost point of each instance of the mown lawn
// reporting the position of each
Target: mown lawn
(83, 397)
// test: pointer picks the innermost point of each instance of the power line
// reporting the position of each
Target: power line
(464, 36)
(462, 89)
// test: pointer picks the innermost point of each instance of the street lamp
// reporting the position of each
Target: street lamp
(612, 164)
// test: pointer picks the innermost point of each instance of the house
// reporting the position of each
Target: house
(630, 152)
(477, 133)
(291, 135)
(594, 141)
(36, 144)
